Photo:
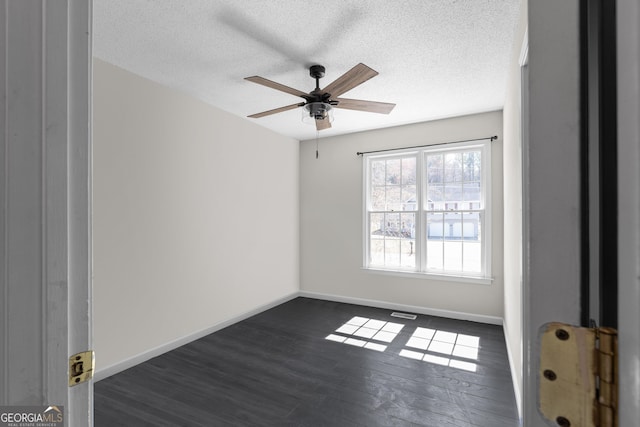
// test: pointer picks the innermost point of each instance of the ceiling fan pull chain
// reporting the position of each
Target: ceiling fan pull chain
(317, 134)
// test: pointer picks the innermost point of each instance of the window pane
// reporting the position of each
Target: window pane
(409, 198)
(407, 253)
(408, 225)
(435, 171)
(393, 184)
(394, 198)
(453, 167)
(472, 256)
(435, 226)
(378, 197)
(376, 224)
(376, 239)
(471, 193)
(452, 194)
(392, 224)
(471, 165)
(471, 226)
(406, 239)
(472, 260)
(391, 252)
(393, 172)
(435, 240)
(409, 171)
(392, 240)
(435, 197)
(377, 172)
(453, 226)
(376, 255)
(453, 255)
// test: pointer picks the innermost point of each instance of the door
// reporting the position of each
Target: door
(45, 149)
(559, 248)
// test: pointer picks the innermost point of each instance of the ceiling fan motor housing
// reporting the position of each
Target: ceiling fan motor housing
(318, 110)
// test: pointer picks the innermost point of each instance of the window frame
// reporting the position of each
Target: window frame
(420, 270)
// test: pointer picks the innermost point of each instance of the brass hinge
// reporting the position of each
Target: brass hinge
(578, 377)
(81, 367)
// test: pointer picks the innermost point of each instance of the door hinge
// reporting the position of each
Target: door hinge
(81, 367)
(578, 376)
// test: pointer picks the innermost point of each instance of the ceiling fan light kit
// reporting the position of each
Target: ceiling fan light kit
(317, 111)
(319, 103)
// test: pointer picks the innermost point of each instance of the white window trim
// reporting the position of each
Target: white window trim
(420, 271)
(480, 280)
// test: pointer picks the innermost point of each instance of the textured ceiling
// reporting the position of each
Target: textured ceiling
(436, 58)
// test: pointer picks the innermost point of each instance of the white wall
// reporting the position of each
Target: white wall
(512, 161)
(331, 219)
(195, 216)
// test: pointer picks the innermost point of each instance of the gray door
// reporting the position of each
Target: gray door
(554, 262)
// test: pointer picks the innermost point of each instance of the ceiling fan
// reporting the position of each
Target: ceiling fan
(319, 102)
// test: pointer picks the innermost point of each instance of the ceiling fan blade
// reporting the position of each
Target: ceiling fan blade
(323, 124)
(361, 105)
(352, 78)
(277, 86)
(276, 110)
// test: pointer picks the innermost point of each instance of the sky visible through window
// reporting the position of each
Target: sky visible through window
(428, 345)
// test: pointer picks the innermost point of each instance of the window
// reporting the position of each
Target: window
(427, 210)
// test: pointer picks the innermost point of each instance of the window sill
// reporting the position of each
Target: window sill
(480, 280)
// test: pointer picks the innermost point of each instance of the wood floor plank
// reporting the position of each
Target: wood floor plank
(278, 369)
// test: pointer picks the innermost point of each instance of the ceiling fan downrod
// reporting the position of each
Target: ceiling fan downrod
(317, 72)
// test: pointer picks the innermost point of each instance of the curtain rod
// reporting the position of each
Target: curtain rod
(492, 138)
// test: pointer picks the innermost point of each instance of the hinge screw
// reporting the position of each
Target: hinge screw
(550, 375)
(563, 422)
(562, 334)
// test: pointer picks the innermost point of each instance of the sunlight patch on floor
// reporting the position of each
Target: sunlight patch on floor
(361, 331)
(443, 343)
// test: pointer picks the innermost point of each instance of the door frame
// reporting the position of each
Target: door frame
(551, 183)
(80, 188)
(628, 76)
(45, 191)
(552, 263)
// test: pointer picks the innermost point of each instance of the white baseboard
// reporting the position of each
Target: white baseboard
(481, 318)
(107, 371)
(512, 368)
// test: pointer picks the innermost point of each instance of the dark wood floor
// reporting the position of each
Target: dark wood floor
(278, 369)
